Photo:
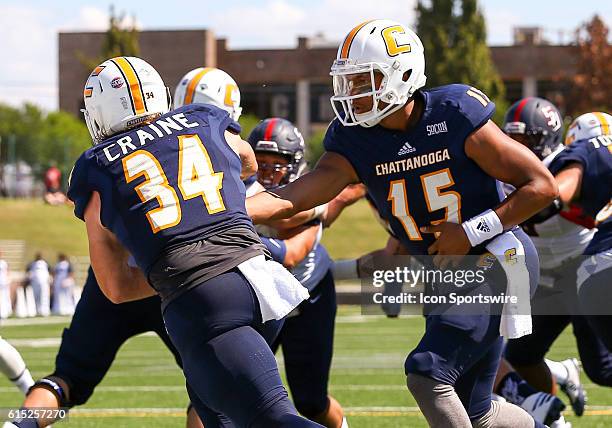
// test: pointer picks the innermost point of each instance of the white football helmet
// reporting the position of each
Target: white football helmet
(589, 125)
(209, 86)
(383, 46)
(122, 93)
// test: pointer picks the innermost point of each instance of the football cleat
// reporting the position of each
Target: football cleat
(561, 423)
(545, 408)
(573, 387)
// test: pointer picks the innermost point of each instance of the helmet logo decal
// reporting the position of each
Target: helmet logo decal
(97, 70)
(389, 35)
(229, 94)
(554, 121)
(117, 82)
(346, 45)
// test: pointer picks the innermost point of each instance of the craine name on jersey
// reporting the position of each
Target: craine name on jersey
(158, 129)
(415, 162)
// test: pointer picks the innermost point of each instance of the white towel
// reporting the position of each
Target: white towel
(516, 317)
(277, 289)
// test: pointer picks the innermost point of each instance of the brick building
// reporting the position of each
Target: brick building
(295, 82)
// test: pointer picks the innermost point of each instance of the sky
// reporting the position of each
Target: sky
(29, 28)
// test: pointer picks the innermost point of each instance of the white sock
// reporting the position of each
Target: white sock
(13, 366)
(344, 423)
(558, 370)
(24, 382)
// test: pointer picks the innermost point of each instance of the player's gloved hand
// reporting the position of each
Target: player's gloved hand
(450, 246)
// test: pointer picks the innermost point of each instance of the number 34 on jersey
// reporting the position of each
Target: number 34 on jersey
(196, 178)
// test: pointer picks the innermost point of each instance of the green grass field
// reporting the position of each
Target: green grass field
(55, 229)
(145, 388)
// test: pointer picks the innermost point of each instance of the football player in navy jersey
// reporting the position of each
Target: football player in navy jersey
(430, 160)
(307, 336)
(99, 327)
(166, 187)
(583, 172)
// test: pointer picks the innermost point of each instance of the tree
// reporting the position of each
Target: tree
(40, 139)
(593, 69)
(120, 40)
(454, 36)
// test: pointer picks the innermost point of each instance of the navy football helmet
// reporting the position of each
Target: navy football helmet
(278, 136)
(536, 123)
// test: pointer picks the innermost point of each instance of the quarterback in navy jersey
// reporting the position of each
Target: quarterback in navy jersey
(430, 160)
(583, 172)
(166, 187)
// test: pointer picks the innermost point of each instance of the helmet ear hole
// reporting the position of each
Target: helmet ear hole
(406, 75)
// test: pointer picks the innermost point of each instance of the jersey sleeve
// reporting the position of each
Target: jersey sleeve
(337, 141)
(79, 188)
(578, 151)
(233, 126)
(474, 106)
(333, 140)
(277, 248)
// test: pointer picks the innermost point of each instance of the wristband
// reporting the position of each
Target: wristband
(484, 226)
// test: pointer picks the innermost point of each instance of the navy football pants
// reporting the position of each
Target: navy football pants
(227, 363)
(307, 340)
(463, 348)
(97, 331)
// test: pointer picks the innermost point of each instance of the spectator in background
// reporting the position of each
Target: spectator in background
(39, 276)
(63, 287)
(53, 187)
(6, 308)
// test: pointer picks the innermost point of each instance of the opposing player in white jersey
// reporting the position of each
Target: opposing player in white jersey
(560, 237)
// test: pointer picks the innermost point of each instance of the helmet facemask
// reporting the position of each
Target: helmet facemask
(538, 140)
(352, 82)
(280, 171)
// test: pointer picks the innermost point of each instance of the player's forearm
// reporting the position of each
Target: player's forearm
(265, 207)
(300, 245)
(526, 201)
(138, 287)
(298, 219)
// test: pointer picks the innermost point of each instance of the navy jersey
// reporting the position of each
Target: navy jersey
(422, 176)
(595, 156)
(165, 184)
(313, 268)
